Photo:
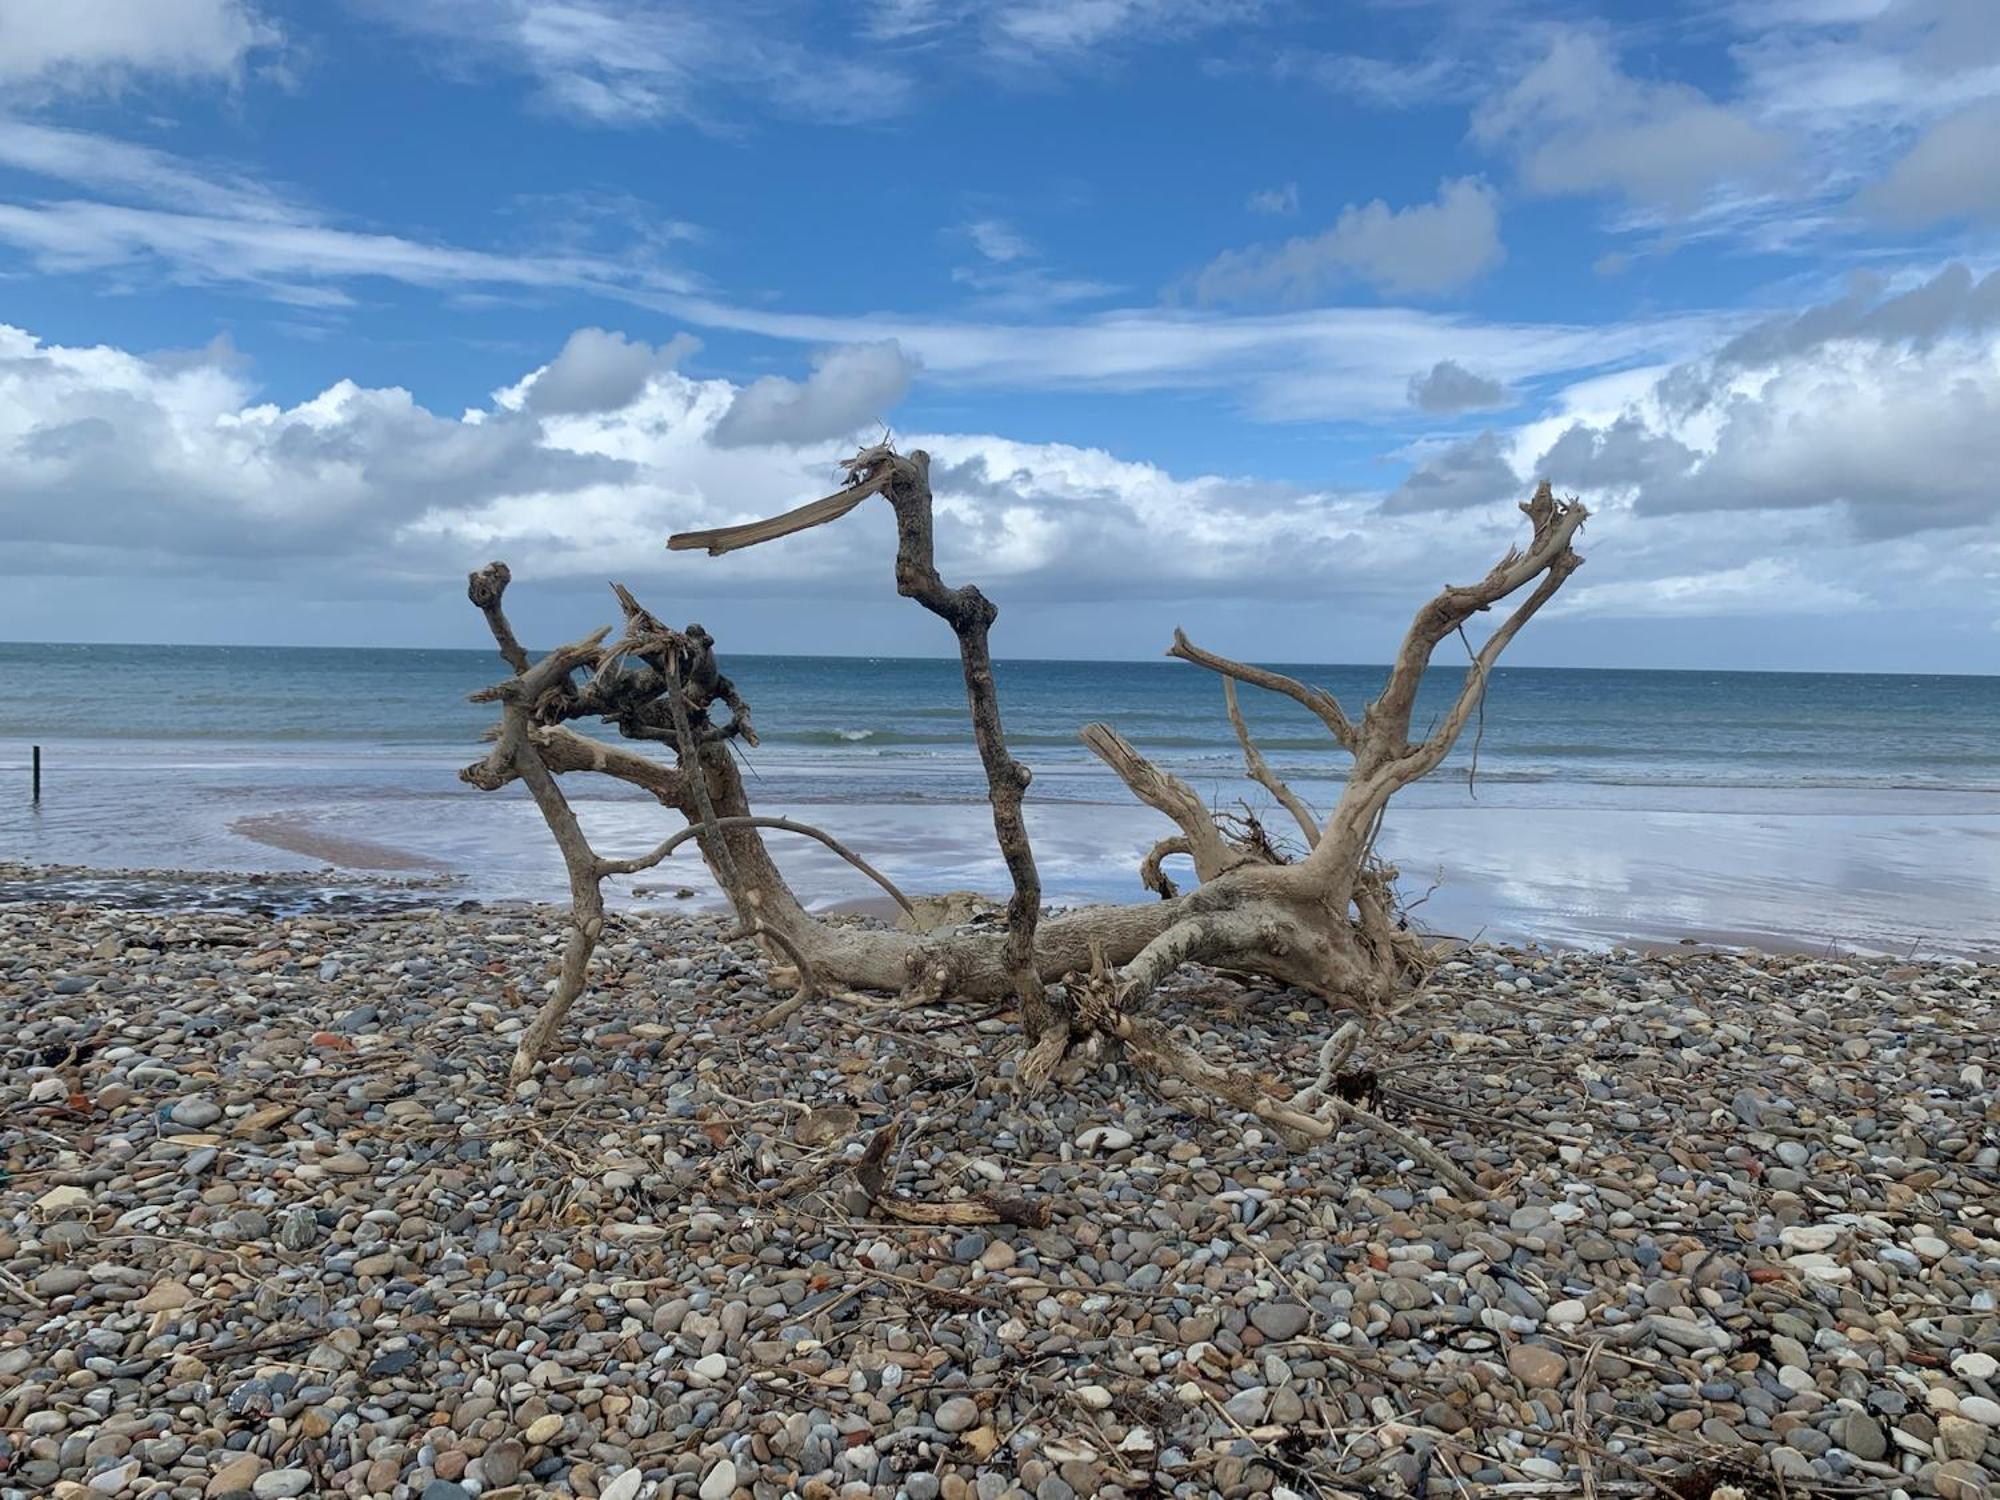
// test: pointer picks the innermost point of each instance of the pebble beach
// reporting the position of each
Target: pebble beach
(273, 1222)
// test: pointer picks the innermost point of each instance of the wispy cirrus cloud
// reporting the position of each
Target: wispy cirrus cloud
(1009, 276)
(1066, 32)
(1279, 366)
(305, 263)
(625, 63)
(130, 172)
(190, 223)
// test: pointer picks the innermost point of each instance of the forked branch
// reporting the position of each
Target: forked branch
(1260, 769)
(905, 482)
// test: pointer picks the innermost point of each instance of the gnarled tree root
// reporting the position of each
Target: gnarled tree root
(1314, 1114)
(1325, 921)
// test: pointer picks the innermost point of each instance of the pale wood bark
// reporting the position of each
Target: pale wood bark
(1327, 922)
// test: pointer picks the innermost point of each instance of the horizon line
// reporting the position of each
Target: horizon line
(1101, 661)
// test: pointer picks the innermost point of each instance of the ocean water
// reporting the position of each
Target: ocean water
(1856, 810)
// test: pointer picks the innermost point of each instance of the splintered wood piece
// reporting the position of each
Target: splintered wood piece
(872, 1172)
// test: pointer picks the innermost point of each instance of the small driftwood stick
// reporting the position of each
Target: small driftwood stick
(1260, 769)
(872, 1172)
(787, 825)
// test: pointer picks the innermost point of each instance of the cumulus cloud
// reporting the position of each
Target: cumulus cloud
(1952, 301)
(1424, 249)
(1448, 388)
(849, 387)
(117, 465)
(1575, 122)
(155, 471)
(1624, 453)
(1473, 471)
(1949, 173)
(598, 371)
(1884, 406)
(104, 450)
(99, 44)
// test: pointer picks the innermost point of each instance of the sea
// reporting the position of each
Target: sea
(1818, 811)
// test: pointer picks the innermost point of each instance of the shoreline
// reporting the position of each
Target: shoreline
(359, 889)
(1742, 1224)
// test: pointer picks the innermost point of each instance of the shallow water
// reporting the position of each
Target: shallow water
(1844, 810)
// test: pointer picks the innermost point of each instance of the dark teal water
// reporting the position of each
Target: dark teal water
(846, 717)
(1855, 808)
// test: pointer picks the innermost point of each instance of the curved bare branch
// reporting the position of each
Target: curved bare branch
(1318, 700)
(1261, 772)
(1166, 792)
(646, 861)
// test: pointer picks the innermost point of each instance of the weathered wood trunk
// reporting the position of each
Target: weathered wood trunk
(1325, 922)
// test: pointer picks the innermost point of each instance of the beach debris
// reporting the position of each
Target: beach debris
(388, 1271)
(1326, 923)
(872, 1172)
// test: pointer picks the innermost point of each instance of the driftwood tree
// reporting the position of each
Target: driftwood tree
(1326, 922)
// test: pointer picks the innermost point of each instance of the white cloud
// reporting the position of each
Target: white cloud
(1424, 249)
(1767, 586)
(112, 464)
(1884, 408)
(849, 387)
(1010, 278)
(625, 63)
(89, 44)
(998, 240)
(1060, 30)
(124, 170)
(1953, 172)
(210, 226)
(294, 260)
(598, 371)
(1576, 123)
(105, 452)
(1442, 73)
(156, 472)
(1448, 388)
(1281, 367)
(1019, 35)
(1277, 200)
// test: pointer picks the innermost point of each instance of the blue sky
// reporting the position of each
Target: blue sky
(1251, 316)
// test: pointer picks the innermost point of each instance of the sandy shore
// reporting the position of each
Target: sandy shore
(273, 1223)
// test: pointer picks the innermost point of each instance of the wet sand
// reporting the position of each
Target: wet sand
(1919, 877)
